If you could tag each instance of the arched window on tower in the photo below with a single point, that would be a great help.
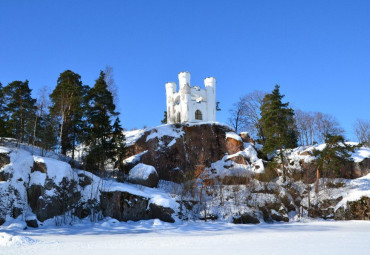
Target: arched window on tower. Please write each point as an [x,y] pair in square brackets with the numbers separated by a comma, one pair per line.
[198,115]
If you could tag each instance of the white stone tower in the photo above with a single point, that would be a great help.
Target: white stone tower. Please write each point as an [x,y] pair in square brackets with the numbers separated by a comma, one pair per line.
[191,104]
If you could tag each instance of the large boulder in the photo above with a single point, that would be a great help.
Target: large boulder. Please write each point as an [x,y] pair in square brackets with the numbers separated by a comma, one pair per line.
[175,150]
[355,210]
[47,201]
[246,219]
[161,212]
[4,159]
[144,175]
[124,206]
[39,166]
[246,138]
[234,143]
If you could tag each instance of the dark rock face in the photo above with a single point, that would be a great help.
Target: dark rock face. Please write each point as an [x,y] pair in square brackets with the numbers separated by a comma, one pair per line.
[359,210]
[33,194]
[279,217]
[39,166]
[4,159]
[83,180]
[355,210]
[199,145]
[124,206]
[64,198]
[361,169]
[246,219]
[162,213]
[4,176]
[32,223]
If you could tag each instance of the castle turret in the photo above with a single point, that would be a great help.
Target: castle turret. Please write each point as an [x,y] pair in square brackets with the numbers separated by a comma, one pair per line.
[184,78]
[210,84]
[170,90]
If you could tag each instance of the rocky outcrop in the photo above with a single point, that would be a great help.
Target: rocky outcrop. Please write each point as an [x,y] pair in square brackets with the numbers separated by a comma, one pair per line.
[47,201]
[4,160]
[161,212]
[233,146]
[246,138]
[32,222]
[125,206]
[361,168]
[246,219]
[176,153]
[39,166]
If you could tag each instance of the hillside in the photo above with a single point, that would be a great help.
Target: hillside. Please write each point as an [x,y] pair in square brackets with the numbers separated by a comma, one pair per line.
[199,172]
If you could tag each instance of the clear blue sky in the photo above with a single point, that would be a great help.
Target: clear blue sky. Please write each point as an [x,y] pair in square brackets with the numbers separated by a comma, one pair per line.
[318,51]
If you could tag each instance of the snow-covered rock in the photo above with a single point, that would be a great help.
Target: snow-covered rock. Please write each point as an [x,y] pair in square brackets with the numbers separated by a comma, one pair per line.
[38,188]
[176,150]
[144,175]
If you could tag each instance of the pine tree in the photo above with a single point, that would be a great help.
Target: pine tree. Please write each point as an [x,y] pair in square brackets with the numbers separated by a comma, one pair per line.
[68,107]
[333,157]
[21,109]
[3,130]
[119,143]
[164,120]
[278,125]
[218,106]
[100,112]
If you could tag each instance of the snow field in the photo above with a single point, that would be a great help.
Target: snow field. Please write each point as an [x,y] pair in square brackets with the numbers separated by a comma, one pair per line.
[156,237]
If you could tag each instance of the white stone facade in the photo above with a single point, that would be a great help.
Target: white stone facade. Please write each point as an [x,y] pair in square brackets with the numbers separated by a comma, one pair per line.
[191,104]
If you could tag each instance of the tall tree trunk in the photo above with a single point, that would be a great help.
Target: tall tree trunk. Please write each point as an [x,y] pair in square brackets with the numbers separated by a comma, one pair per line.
[317,180]
[61,133]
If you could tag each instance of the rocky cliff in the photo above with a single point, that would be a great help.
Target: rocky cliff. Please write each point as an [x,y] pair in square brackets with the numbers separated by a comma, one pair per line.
[177,150]
[182,172]
[37,189]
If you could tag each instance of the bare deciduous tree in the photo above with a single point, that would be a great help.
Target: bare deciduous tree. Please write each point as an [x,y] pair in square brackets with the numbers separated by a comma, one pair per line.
[326,124]
[315,126]
[42,105]
[112,86]
[237,117]
[362,131]
[252,111]
[246,113]
[305,122]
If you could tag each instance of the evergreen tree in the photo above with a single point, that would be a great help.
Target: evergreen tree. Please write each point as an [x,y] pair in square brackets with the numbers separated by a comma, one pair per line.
[47,132]
[101,109]
[278,125]
[333,157]
[3,130]
[164,120]
[119,143]
[68,107]
[218,106]
[21,110]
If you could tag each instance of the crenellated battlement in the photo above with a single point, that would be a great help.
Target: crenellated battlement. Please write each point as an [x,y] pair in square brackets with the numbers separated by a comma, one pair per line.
[191,104]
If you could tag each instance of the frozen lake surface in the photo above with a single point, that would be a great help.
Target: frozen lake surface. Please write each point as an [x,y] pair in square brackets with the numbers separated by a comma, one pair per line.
[156,237]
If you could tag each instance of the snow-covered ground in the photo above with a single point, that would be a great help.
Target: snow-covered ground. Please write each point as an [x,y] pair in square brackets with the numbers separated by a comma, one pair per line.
[155,237]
